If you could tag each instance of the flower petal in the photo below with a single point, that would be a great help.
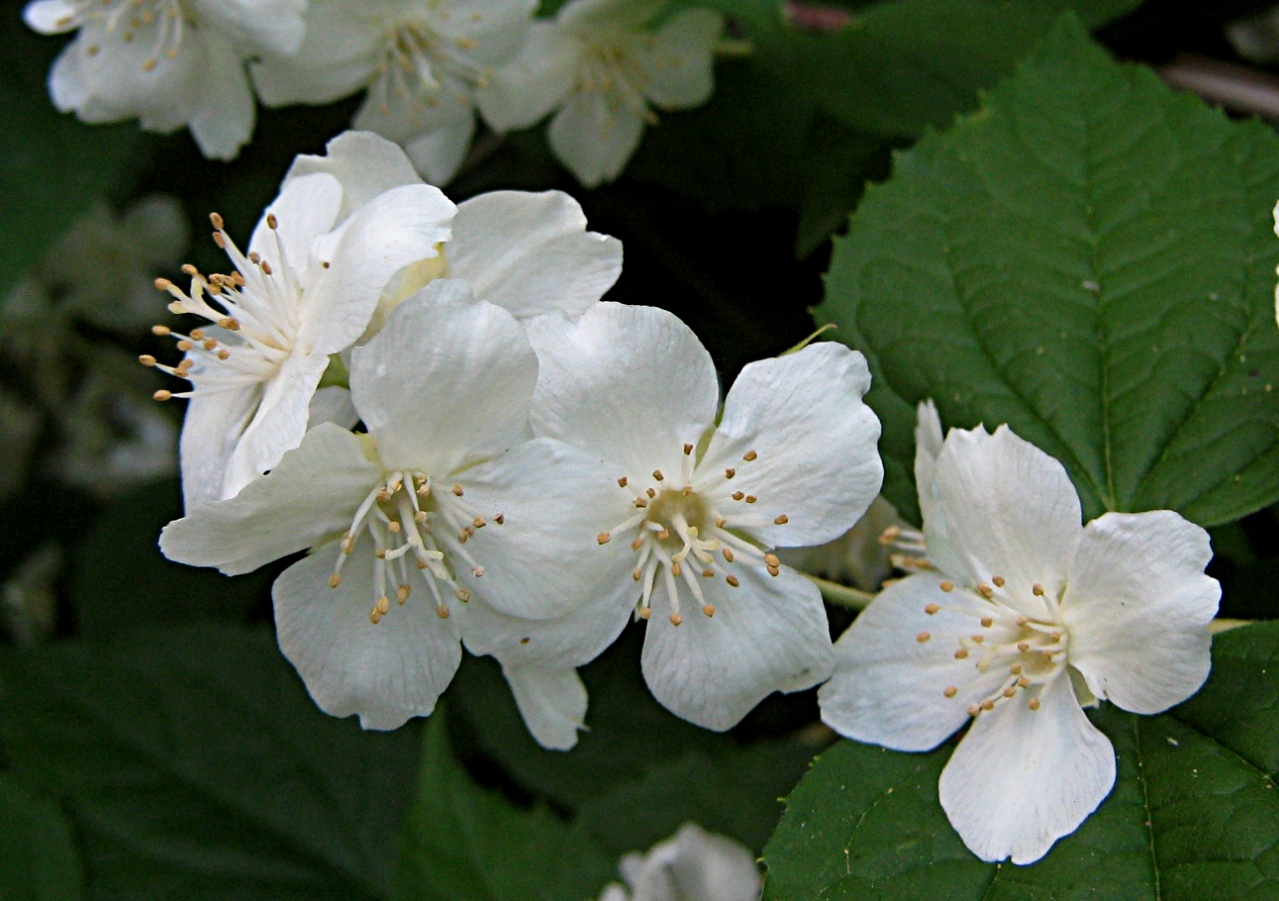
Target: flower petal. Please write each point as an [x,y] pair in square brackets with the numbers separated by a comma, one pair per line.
[1022,778]
[680,59]
[306,208]
[394,229]
[552,702]
[594,137]
[889,687]
[629,384]
[1138,607]
[438,150]
[770,634]
[51,16]
[535,83]
[531,253]
[446,382]
[815,459]
[223,111]
[332,404]
[386,672]
[544,558]
[212,426]
[279,422]
[312,494]
[1010,510]
[365,164]
[940,545]
[338,57]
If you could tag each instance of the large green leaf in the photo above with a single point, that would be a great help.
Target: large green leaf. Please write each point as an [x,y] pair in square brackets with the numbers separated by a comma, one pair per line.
[1194,813]
[461,842]
[192,763]
[38,860]
[52,167]
[1089,258]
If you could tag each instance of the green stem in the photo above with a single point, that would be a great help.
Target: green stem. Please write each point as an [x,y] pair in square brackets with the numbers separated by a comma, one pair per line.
[734,48]
[841,595]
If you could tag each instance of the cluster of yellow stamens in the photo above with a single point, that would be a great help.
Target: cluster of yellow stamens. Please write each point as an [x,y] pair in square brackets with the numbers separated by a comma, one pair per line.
[679,530]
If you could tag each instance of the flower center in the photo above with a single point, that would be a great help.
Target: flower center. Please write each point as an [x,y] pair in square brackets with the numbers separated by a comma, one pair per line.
[680,534]
[617,74]
[163,22]
[408,521]
[415,61]
[1033,651]
[255,311]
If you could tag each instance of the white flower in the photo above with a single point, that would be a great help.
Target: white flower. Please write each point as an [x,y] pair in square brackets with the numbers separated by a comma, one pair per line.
[307,288]
[170,63]
[416,524]
[601,67]
[420,62]
[527,252]
[1030,618]
[693,865]
[695,508]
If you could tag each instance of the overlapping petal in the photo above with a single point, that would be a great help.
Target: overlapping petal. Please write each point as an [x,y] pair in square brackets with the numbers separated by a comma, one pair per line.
[447,382]
[552,703]
[534,83]
[679,60]
[594,134]
[1138,608]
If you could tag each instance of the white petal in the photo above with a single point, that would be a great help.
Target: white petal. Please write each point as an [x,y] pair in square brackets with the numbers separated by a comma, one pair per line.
[817,462]
[535,83]
[492,30]
[447,381]
[279,422]
[1010,510]
[595,137]
[386,672]
[1138,607]
[338,57]
[69,87]
[332,404]
[679,61]
[937,537]
[629,384]
[396,228]
[50,16]
[552,702]
[888,688]
[223,114]
[438,151]
[210,430]
[312,494]
[565,642]
[305,209]
[711,867]
[1022,778]
[365,164]
[274,25]
[595,16]
[531,253]
[770,634]
[544,560]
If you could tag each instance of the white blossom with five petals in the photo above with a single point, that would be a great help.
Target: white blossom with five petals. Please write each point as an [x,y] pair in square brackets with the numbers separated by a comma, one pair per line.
[440,510]
[1029,618]
[601,66]
[170,63]
[695,508]
[307,287]
[420,61]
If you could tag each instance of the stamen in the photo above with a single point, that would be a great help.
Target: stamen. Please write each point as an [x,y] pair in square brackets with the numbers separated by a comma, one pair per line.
[923,637]
[947,586]
[749,456]
[779,521]
[931,609]
[950,691]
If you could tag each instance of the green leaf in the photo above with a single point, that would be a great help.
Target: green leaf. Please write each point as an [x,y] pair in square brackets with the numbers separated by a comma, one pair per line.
[1090,258]
[1194,813]
[52,167]
[192,763]
[38,860]
[461,842]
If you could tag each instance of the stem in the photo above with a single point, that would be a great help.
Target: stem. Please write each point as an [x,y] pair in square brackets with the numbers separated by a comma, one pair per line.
[841,595]
[734,48]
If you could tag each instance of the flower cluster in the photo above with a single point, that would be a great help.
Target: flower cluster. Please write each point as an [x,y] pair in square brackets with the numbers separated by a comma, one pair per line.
[424,66]
[535,466]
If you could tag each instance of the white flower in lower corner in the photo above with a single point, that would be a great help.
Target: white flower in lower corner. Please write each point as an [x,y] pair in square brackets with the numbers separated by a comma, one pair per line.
[307,287]
[437,511]
[695,508]
[1030,618]
[601,66]
[170,63]
[693,865]
[420,62]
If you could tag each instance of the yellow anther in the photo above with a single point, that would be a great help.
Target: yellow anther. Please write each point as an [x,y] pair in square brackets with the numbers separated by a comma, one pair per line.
[457,489]
[999,581]
[932,609]
[335,580]
[732,580]
[621,483]
[922,637]
[402,594]
[778,521]
[947,586]
[961,654]
[950,691]
[709,610]
[1034,704]
[657,474]
[749,456]
[688,449]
